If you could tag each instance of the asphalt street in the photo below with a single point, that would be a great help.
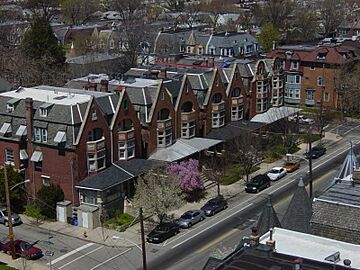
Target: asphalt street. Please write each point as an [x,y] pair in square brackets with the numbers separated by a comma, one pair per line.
[191,248]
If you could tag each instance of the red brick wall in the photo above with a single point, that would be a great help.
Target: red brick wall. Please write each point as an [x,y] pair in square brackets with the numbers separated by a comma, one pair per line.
[8,144]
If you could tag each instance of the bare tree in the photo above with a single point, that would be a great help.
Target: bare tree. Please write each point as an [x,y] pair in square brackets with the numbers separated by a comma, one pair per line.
[78,11]
[158,192]
[214,168]
[331,15]
[214,8]
[41,8]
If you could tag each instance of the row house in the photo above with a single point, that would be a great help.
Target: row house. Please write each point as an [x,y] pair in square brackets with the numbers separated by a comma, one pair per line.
[171,45]
[311,73]
[61,136]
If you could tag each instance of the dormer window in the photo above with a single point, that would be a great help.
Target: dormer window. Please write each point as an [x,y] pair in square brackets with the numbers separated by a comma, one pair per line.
[43,112]
[10,105]
[321,56]
[294,64]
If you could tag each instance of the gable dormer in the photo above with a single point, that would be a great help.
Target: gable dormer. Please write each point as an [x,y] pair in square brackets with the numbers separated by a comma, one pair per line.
[11,104]
[44,109]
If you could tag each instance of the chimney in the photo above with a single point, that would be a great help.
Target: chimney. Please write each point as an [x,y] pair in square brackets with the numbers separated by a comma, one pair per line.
[356,176]
[254,237]
[29,119]
[271,242]
[163,73]
[211,61]
[104,86]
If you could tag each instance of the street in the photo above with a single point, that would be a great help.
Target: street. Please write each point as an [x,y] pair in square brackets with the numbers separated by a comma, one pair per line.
[192,247]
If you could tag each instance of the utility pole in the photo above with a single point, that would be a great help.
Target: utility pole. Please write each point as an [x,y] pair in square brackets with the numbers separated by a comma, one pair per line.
[143,251]
[11,232]
[310,166]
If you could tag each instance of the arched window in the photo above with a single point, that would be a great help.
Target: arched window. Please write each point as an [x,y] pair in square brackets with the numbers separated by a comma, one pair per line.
[236,92]
[217,98]
[187,107]
[125,125]
[163,114]
[95,134]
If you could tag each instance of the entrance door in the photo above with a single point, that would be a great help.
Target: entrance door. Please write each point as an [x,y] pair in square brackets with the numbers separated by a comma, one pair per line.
[85,219]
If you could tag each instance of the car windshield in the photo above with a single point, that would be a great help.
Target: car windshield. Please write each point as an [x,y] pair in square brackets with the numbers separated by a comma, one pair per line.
[290,163]
[26,246]
[211,203]
[186,216]
[275,171]
[161,228]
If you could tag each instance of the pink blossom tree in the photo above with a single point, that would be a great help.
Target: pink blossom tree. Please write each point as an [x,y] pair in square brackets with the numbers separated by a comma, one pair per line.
[188,175]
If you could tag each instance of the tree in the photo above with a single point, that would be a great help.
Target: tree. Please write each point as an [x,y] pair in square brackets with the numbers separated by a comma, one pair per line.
[47,198]
[214,169]
[175,5]
[78,11]
[243,150]
[331,15]
[269,34]
[214,8]
[188,175]
[13,178]
[305,26]
[158,192]
[41,8]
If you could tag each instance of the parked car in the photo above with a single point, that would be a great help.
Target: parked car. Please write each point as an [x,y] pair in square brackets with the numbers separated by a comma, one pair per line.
[190,218]
[301,119]
[291,166]
[316,152]
[4,218]
[276,173]
[23,249]
[258,183]
[214,206]
[162,232]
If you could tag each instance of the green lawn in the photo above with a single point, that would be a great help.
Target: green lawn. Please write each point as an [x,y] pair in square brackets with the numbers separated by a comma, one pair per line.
[234,173]
[4,267]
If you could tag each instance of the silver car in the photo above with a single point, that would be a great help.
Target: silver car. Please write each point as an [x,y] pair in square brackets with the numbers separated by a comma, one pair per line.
[190,217]
[4,218]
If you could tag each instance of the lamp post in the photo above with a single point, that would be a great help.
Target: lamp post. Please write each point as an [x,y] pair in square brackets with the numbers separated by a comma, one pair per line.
[8,206]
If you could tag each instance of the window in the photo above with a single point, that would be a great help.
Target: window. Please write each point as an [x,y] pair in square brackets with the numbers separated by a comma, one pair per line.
[320,81]
[212,50]
[10,108]
[200,50]
[310,94]
[162,95]
[297,79]
[9,156]
[90,197]
[38,166]
[326,97]
[165,138]
[312,66]
[93,114]
[218,119]
[112,44]
[188,49]
[235,92]
[45,180]
[40,134]
[96,161]
[182,48]
[217,97]
[126,105]
[294,65]
[126,149]
[188,129]
[43,112]
[236,113]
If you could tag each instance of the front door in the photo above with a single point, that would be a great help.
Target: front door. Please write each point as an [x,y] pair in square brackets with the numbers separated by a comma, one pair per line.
[85,219]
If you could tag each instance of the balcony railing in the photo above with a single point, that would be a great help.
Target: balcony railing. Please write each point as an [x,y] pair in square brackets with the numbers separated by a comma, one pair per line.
[236,101]
[126,135]
[95,146]
[218,107]
[163,124]
[310,102]
[188,116]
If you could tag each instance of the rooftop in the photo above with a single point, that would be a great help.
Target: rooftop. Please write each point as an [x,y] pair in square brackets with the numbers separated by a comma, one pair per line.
[342,193]
[313,247]
[54,95]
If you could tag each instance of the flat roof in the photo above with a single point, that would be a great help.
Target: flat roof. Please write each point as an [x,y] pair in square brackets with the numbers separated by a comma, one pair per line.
[342,192]
[135,82]
[54,95]
[312,247]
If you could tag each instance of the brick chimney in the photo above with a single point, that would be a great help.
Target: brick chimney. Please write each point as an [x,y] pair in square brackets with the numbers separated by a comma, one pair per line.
[29,118]
[254,237]
[211,61]
[271,242]
[104,86]
[163,73]
[356,176]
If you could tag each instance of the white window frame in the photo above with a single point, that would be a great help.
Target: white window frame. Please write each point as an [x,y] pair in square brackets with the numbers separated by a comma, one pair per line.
[9,156]
[164,137]
[326,96]
[43,112]
[237,112]
[126,149]
[294,65]
[188,129]
[45,180]
[10,108]
[93,162]
[40,134]
[218,119]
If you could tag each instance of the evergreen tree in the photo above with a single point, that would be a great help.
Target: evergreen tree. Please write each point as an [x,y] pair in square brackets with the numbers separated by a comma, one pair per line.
[41,44]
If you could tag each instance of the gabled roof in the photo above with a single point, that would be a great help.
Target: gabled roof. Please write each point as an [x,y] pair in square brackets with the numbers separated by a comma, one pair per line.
[268,219]
[297,216]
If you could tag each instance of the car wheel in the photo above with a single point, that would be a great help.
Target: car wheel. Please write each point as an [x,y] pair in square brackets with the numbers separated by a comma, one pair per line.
[189,226]
[6,224]
[202,218]
[268,185]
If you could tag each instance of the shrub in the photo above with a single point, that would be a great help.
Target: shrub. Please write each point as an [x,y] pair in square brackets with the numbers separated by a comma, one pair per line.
[120,220]
[47,197]
[34,212]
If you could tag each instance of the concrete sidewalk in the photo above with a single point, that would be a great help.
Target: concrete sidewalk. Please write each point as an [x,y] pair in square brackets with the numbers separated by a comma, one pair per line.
[22,264]
[131,237]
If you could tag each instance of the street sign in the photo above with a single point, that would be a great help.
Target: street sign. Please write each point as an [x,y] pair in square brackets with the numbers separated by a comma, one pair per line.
[115,237]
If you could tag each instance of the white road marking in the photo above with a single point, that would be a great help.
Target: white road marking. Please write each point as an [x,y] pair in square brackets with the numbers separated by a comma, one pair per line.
[71,253]
[351,129]
[335,128]
[212,225]
[112,258]
[78,258]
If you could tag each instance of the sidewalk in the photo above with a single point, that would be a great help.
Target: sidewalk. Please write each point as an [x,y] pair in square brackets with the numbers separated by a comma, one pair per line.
[22,264]
[131,237]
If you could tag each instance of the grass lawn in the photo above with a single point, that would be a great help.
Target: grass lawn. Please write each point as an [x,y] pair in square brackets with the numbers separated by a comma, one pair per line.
[234,173]
[4,267]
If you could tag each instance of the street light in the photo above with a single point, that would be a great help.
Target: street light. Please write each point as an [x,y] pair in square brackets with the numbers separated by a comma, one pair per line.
[309,161]
[18,184]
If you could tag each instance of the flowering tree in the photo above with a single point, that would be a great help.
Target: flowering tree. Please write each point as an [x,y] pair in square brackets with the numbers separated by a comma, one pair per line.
[188,175]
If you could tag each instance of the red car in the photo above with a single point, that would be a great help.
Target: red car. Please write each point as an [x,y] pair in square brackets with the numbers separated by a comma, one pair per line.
[23,249]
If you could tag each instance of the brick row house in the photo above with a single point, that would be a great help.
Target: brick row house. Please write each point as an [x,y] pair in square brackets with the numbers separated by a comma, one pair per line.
[311,73]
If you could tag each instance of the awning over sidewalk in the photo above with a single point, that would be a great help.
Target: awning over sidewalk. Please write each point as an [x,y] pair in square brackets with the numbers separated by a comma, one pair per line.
[274,114]
[183,148]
